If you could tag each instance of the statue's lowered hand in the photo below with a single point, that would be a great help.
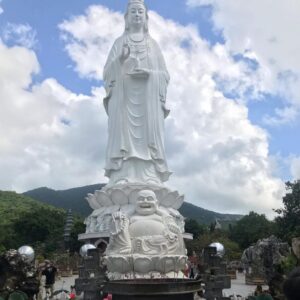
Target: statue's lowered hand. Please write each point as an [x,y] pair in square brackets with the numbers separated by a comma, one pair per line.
[139,73]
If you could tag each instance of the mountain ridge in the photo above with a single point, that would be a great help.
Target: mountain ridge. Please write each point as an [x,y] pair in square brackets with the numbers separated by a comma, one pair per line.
[74,199]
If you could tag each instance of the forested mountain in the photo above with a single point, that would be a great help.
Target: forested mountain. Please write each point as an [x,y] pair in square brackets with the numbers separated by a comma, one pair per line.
[205,216]
[68,199]
[75,199]
[27,221]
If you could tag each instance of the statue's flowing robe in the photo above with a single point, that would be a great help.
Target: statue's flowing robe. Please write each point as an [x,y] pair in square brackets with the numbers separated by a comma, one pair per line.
[136,110]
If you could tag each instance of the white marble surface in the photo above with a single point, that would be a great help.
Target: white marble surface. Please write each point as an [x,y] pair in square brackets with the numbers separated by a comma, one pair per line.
[136,81]
[145,240]
[139,212]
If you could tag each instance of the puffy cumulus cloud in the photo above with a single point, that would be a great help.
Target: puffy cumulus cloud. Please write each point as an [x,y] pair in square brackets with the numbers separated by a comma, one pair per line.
[49,135]
[220,160]
[295,168]
[20,34]
[88,38]
[260,32]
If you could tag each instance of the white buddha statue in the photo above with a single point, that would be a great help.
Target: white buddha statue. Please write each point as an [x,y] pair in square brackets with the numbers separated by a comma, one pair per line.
[136,81]
[148,231]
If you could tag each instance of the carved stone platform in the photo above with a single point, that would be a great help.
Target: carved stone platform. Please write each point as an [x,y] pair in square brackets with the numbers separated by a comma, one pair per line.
[141,266]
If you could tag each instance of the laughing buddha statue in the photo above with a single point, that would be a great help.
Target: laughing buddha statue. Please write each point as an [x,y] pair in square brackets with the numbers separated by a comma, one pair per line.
[150,230]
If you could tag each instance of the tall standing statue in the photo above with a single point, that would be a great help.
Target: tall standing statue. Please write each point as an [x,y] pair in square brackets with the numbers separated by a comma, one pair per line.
[136,81]
[135,209]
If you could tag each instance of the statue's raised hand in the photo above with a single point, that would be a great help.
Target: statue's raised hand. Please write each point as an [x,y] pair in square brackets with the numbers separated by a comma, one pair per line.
[125,53]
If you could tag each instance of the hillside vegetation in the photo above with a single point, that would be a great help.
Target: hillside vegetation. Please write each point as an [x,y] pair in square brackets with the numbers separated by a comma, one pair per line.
[27,221]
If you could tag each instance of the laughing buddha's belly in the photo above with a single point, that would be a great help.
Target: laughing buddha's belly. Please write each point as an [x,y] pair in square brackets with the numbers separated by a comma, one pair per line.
[146,227]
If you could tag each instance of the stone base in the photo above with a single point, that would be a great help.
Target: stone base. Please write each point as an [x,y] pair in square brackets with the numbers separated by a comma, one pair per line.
[155,289]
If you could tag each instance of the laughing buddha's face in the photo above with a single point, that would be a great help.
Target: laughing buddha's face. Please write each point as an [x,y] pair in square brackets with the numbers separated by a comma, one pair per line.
[146,203]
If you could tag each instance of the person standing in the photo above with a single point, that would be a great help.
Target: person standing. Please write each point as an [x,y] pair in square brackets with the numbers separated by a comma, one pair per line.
[49,272]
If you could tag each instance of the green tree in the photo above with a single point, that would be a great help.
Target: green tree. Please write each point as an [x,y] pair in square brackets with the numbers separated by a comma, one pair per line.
[79,227]
[250,229]
[41,226]
[193,227]
[232,249]
[288,219]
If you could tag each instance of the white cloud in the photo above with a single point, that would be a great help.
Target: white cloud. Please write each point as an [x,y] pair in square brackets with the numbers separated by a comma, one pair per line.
[267,30]
[88,37]
[49,135]
[295,168]
[20,34]
[220,160]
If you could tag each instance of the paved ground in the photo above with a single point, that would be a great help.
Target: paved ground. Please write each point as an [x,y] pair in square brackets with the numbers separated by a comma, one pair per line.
[65,283]
[238,286]
[61,283]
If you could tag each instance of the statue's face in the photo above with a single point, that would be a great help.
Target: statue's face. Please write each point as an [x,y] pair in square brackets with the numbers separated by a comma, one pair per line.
[146,203]
[136,14]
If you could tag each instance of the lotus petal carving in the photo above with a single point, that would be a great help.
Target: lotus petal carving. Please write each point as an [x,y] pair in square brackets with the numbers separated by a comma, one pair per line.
[103,199]
[92,201]
[143,265]
[118,264]
[133,196]
[118,197]
[181,263]
[161,193]
[169,199]
[178,202]
[167,264]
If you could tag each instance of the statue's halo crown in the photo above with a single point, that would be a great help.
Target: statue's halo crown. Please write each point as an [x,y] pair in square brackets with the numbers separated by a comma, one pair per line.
[136,1]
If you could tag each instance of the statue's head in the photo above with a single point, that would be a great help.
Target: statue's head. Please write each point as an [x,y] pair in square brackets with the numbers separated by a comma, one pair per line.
[136,15]
[146,203]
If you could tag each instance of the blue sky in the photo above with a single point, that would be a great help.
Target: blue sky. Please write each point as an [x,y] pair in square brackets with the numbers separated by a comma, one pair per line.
[44,17]
[239,69]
